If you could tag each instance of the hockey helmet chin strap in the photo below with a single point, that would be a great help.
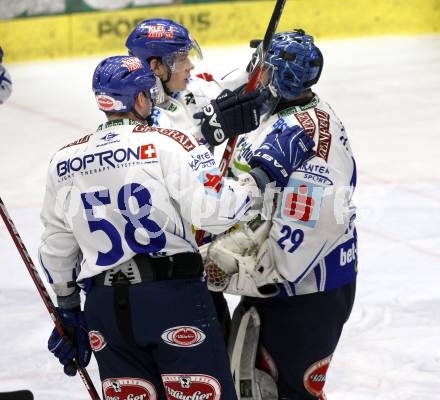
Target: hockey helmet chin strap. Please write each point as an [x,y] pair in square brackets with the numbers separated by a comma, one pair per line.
[164,82]
[148,120]
[167,78]
[156,96]
[145,119]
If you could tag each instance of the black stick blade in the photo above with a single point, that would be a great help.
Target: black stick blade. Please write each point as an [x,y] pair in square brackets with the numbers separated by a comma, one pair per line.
[17,395]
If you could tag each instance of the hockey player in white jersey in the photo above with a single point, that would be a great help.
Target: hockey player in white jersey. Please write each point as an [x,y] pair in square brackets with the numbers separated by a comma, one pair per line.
[117,213]
[168,48]
[208,109]
[309,258]
[5,81]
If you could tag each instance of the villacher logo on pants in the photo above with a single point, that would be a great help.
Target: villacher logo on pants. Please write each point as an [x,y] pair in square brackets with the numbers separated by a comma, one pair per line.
[194,387]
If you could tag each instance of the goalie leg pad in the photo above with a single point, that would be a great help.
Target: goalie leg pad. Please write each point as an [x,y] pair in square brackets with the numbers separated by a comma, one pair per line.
[301,333]
[250,383]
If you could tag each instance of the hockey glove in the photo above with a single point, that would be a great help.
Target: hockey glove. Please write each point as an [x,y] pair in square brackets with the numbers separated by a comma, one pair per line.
[74,346]
[230,114]
[282,153]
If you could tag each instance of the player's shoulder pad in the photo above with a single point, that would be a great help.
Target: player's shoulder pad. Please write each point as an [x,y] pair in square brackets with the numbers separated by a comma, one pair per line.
[187,142]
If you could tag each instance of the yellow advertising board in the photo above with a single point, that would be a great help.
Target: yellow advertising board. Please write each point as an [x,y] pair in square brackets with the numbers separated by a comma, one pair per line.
[214,24]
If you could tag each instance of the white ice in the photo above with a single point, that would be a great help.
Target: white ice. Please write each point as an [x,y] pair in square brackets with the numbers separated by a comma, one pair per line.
[387,92]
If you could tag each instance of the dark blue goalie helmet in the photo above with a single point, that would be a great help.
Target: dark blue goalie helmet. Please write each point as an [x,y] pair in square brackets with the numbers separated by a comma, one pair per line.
[294,63]
[118,80]
[162,38]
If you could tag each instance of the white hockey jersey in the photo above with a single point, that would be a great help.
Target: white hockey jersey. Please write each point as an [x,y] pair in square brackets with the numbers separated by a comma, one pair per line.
[129,188]
[312,240]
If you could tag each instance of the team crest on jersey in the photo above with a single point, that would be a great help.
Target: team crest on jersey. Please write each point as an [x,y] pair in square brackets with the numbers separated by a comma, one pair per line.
[97,340]
[128,389]
[212,181]
[301,202]
[194,387]
[315,376]
[183,336]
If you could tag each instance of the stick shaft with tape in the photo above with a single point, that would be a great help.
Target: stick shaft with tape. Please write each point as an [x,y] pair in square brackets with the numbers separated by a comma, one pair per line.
[250,86]
[30,266]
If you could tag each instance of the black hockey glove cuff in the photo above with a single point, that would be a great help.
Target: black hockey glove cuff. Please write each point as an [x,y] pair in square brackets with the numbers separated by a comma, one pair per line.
[69,302]
[261,178]
[230,114]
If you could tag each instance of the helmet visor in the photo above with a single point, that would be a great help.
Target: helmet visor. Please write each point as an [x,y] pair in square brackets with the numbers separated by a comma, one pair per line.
[184,58]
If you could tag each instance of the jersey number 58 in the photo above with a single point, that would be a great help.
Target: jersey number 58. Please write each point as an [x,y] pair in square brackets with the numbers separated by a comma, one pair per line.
[134,221]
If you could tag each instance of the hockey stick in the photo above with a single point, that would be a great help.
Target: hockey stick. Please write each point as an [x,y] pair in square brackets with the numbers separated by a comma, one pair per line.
[255,76]
[250,86]
[44,296]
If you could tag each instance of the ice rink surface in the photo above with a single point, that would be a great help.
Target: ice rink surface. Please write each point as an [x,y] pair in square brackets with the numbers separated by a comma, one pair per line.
[387,92]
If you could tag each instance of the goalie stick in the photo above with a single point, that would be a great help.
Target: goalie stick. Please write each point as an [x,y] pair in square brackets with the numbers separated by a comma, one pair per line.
[17,395]
[255,76]
[70,368]
[250,86]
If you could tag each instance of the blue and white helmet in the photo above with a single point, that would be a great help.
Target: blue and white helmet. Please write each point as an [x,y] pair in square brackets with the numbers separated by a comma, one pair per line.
[118,80]
[295,63]
[161,38]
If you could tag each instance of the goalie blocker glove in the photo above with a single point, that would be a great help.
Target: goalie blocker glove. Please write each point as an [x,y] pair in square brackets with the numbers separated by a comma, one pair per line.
[282,153]
[230,114]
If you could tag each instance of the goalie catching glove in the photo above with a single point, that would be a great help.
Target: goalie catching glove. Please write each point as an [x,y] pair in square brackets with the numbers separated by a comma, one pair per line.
[230,114]
[239,263]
